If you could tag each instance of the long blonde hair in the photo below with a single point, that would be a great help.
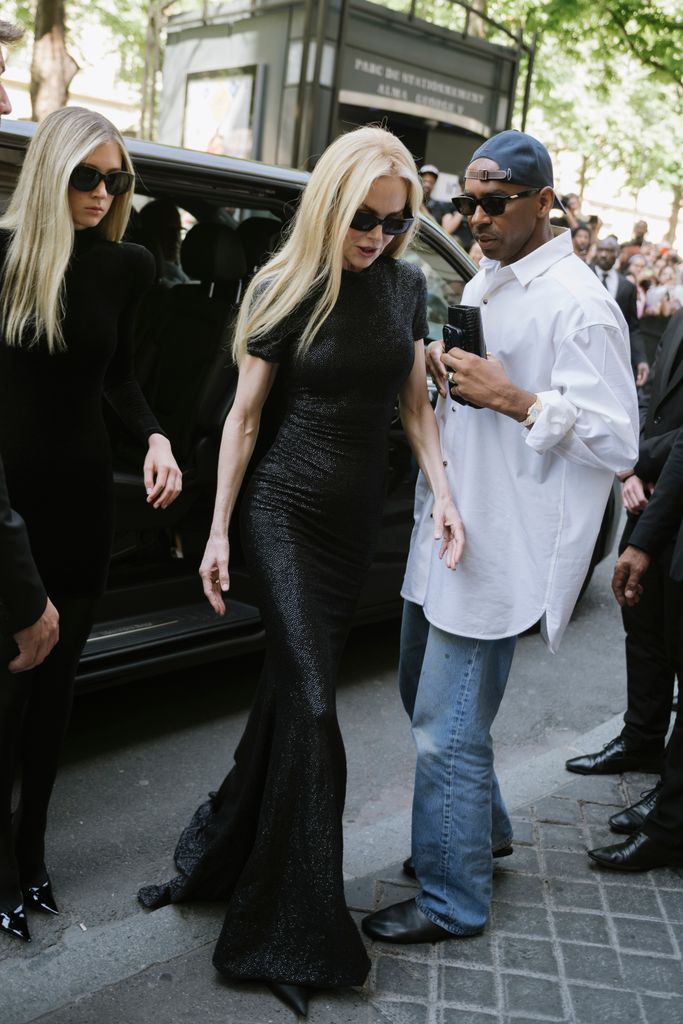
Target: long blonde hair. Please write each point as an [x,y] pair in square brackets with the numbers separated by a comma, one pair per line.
[39,217]
[311,257]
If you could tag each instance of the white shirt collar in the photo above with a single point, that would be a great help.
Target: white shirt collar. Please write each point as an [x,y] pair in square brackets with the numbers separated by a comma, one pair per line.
[536,262]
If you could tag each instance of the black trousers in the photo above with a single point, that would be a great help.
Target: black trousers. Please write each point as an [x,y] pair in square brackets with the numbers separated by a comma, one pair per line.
[35,708]
[665,823]
[651,633]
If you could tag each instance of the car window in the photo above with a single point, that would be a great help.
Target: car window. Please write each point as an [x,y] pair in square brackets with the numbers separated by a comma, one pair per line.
[445,283]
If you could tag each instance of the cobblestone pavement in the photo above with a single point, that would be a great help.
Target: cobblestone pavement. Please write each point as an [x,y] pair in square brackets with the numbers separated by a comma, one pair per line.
[567,942]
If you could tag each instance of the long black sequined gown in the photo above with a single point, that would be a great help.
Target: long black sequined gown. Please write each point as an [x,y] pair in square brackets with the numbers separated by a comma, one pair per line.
[270,840]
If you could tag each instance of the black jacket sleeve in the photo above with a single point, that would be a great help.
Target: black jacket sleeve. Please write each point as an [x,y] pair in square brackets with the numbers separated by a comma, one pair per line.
[22,594]
[661,520]
[652,455]
[121,389]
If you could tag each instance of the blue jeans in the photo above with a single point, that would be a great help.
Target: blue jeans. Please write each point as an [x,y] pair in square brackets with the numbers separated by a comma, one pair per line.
[451,687]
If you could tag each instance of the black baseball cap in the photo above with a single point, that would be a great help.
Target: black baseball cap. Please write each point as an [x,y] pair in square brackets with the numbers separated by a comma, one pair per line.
[520,157]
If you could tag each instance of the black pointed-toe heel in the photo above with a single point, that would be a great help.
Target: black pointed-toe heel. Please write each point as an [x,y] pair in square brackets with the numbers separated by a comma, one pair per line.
[293,996]
[13,922]
[41,897]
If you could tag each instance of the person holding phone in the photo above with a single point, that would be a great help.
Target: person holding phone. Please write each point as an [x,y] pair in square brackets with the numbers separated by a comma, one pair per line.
[532,467]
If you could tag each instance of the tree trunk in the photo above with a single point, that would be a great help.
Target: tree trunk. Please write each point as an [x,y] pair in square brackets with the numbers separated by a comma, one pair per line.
[52,68]
[583,175]
[676,204]
[477,27]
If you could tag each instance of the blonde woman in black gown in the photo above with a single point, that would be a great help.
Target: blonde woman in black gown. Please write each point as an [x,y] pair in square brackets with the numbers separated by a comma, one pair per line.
[341,315]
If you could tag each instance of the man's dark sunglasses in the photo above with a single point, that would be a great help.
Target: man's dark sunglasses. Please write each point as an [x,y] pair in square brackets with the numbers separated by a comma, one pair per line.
[494,206]
[364,220]
[86,179]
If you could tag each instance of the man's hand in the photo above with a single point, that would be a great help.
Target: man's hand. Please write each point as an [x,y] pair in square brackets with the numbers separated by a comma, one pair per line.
[633,495]
[435,368]
[627,574]
[485,383]
[36,641]
[642,373]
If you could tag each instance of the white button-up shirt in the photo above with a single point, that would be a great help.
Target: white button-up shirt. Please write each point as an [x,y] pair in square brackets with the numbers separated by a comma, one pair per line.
[531,500]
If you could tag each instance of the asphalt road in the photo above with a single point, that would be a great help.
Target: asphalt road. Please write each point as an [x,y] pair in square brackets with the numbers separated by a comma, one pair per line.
[141,757]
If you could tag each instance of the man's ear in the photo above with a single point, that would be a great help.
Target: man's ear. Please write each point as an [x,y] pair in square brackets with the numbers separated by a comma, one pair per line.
[546,198]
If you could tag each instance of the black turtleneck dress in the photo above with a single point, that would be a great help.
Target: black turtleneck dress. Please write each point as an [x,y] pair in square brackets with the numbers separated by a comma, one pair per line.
[53,438]
[270,840]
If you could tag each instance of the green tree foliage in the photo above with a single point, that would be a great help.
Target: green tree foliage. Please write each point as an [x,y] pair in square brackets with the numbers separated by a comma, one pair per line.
[607,80]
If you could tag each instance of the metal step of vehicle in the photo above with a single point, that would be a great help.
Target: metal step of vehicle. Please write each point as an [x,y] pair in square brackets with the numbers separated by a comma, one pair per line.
[166,639]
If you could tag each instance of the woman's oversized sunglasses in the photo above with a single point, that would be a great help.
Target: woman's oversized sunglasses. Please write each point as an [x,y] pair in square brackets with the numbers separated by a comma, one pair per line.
[85,179]
[494,206]
[364,220]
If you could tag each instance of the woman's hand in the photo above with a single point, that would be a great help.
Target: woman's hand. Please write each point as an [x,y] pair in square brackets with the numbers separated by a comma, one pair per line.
[214,572]
[163,479]
[449,530]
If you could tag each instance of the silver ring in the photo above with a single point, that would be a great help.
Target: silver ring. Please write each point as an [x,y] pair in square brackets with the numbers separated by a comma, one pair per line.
[449,376]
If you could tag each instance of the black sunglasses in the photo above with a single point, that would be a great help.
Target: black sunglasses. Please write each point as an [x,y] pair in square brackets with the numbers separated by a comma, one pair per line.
[494,206]
[364,220]
[85,179]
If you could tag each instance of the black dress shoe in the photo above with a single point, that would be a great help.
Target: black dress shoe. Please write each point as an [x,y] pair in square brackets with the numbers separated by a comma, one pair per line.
[293,996]
[403,922]
[614,758]
[632,818]
[637,853]
[41,897]
[409,867]
[13,922]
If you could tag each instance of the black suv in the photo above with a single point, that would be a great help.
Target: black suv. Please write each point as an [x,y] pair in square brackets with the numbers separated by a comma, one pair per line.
[153,615]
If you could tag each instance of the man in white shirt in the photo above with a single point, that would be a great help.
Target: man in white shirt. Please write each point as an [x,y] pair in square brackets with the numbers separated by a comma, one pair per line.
[624,294]
[531,471]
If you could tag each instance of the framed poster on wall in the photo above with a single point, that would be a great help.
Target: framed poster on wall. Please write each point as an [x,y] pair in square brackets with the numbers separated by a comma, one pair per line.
[221,108]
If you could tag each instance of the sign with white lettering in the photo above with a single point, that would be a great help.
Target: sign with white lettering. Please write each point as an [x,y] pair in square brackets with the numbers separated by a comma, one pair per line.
[389,85]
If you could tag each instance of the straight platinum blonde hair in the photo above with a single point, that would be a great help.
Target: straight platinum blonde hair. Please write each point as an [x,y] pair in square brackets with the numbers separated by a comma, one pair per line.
[311,257]
[39,217]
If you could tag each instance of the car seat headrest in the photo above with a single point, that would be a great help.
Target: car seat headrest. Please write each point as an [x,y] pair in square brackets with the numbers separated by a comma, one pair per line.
[213,252]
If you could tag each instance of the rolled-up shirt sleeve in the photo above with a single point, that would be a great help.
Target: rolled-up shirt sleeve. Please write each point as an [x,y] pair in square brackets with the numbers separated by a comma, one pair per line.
[590,411]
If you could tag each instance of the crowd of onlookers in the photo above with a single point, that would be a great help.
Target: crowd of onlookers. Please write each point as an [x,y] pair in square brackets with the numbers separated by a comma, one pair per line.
[655,269]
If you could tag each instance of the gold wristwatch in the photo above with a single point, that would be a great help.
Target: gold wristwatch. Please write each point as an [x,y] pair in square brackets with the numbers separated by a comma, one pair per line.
[533,412]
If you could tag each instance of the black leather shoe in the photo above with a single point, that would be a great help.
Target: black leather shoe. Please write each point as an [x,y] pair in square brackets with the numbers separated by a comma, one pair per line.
[13,922]
[632,818]
[403,922]
[293,996]
[409,867]
[637,853]
[614,758]
[41,897]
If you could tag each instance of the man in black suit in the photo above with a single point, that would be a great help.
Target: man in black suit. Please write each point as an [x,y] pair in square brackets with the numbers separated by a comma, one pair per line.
[658,842]
[624,294]
[29,629]
[27,616]
[650,668]
[28,619]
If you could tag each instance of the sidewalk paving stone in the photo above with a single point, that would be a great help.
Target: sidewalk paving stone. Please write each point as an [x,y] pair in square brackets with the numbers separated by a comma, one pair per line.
[568,943]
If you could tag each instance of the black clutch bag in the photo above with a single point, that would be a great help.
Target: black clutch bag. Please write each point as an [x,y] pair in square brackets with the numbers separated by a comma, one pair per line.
[463,330]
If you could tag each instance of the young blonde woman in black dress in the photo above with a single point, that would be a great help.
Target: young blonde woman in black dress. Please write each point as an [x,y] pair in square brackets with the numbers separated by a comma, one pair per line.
[69,290]
[341,315]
